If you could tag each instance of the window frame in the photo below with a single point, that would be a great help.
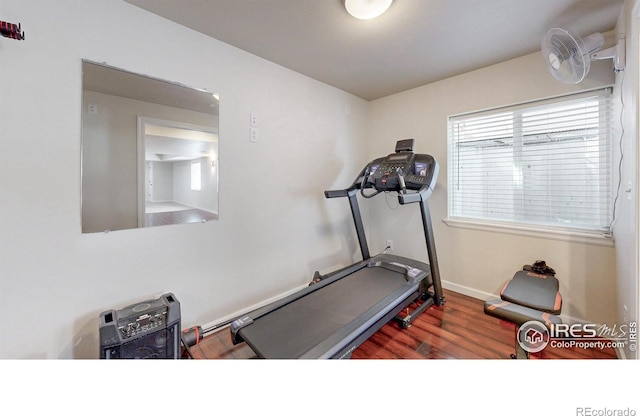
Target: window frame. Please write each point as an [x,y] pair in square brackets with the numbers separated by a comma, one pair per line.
[522,227]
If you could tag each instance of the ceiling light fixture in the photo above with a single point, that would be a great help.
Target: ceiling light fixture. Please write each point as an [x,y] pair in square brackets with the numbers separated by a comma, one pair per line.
[366,9]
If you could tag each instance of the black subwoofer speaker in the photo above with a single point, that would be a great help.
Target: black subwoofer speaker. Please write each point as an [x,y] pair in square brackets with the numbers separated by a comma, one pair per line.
[148,329]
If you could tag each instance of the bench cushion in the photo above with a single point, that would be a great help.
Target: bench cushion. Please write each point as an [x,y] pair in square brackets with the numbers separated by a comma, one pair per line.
[532,290]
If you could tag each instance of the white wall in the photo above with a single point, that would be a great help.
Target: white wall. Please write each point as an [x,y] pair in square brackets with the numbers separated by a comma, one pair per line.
[275,225]
[626,225]
[477,262]
[162,179]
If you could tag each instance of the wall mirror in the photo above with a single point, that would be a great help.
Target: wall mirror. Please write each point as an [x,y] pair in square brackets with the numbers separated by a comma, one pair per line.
[149,151]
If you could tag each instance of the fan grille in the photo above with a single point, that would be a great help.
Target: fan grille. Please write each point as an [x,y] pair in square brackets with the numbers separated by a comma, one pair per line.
[565,56]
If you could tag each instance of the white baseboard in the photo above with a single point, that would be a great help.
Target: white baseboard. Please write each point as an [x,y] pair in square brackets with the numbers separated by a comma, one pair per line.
[466,290]
[249,309]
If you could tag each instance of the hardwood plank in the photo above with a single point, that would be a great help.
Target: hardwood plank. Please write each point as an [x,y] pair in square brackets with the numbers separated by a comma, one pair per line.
[219,346]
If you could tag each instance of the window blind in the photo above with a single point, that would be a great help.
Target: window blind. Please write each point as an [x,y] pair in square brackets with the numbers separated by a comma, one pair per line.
[544,163]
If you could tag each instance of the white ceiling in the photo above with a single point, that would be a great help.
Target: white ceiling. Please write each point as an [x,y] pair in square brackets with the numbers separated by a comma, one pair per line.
[415,43]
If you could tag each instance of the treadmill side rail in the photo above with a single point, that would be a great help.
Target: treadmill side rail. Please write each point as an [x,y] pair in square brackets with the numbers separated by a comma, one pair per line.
[236,326]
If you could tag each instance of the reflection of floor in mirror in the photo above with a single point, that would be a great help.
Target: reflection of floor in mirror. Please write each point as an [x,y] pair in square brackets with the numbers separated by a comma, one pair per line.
[166,213]
[165,206]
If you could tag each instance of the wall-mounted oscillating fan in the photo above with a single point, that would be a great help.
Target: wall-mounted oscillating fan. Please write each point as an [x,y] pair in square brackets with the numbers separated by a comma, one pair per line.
[569,57]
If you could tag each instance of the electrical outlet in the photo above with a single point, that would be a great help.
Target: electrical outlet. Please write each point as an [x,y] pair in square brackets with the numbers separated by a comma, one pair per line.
[389,245]
[253,120]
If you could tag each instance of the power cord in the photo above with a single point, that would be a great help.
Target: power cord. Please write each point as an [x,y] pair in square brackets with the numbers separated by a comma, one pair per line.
[621,147]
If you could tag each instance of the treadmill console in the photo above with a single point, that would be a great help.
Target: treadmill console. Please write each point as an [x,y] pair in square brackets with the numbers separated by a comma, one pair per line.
[401,171]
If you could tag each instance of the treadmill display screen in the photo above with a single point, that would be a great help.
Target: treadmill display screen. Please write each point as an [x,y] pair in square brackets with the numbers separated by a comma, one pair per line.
[420,169]
[395,158]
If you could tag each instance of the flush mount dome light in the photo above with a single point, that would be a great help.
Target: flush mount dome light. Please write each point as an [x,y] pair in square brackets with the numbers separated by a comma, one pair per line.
[367,9]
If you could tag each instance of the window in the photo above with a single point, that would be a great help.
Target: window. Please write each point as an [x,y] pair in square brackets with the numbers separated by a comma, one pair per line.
[544,165]
[196,176]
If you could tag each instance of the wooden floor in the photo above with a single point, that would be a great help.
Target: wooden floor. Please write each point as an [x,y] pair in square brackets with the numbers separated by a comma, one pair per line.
[457,330]
[178,217]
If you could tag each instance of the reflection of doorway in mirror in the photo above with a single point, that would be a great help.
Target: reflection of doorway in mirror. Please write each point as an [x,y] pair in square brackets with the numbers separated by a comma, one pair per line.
[170,151]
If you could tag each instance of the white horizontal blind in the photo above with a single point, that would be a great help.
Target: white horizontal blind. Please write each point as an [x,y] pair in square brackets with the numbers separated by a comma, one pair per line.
[546,163]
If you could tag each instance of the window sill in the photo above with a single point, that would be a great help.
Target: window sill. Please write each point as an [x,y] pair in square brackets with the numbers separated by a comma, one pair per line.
[572,236]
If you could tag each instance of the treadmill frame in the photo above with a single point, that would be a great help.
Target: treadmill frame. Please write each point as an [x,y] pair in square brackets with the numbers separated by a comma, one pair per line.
[341,344]
[420,197]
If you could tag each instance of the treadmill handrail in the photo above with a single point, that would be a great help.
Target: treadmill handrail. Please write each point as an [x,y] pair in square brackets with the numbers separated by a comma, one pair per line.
[352,194]
[340,193]
[412,197]
[423,193]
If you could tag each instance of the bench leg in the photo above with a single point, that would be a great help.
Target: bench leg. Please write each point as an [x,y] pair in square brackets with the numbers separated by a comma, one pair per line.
[520,353]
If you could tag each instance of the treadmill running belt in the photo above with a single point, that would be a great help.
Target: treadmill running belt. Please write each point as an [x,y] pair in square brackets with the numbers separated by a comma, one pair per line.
[300,326]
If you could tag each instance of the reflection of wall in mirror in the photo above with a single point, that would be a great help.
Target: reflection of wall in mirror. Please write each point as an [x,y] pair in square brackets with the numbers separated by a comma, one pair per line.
[206,198]
[161,176]
[109,157]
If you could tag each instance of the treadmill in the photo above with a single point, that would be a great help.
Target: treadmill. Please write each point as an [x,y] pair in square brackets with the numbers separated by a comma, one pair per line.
[340,310]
